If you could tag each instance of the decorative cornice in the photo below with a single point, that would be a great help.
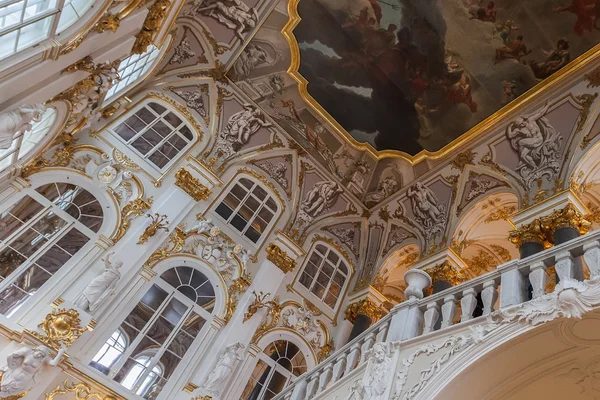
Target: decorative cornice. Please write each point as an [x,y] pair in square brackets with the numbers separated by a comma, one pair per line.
[191,185]
[365,307]
[280,258]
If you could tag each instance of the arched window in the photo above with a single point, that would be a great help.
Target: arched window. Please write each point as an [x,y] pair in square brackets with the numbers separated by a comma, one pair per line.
[161,328]
[39,234]
[132,69]
[249,208]
[110,352]
[23,144]
[25,23]
[278,365]
[156,133]
[325,274]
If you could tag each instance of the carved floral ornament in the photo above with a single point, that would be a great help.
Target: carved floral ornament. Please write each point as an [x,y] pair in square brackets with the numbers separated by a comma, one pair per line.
[82,391]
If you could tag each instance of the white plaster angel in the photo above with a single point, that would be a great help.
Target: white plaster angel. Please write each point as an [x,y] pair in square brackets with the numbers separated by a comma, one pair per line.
[203,226]
[23,365]
[224,368]
[18,121]
[102,286]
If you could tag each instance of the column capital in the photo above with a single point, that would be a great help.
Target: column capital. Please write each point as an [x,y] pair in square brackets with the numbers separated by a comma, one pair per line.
[366,302]
[532,232]
[567,217]
[445,272]
[196,179]
[284,252]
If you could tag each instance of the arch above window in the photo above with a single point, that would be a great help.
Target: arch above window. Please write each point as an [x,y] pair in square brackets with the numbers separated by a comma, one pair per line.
[156,133]
[249,208]
[325,275]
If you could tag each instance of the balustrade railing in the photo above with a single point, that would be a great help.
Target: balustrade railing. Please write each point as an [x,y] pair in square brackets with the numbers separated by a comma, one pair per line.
[512,283]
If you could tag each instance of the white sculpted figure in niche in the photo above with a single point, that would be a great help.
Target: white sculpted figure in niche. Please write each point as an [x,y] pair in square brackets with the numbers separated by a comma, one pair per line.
[203,226]
[379,370]
[240,127]
[18,121]
[252,56]
[234,14]
[102,286]
[23,365]
[385,188]
[322,197]
[183,52]
[425,205]
[225,366]
[538,145]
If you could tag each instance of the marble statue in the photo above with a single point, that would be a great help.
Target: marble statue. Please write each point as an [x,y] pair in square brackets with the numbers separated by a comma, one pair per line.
[537,144]
[224,368]
[385,188]
[234,14]
[23,365]
[102,286]
[320,198]
[18,121]
[203,226]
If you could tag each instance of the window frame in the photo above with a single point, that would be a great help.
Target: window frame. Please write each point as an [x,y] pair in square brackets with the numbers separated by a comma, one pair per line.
[69,223]
[308,293]
[227,221]
[275,366]
[172,293]
[126,148]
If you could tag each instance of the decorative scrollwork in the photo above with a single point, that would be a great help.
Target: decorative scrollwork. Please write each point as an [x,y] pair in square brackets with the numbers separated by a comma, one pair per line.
[82,391]
[131,210]
[60,327]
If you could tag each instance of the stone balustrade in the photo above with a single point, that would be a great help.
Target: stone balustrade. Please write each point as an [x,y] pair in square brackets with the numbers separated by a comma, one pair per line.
[512,283]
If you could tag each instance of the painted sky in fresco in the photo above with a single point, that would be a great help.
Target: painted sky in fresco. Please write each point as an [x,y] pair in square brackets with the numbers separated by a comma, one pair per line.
[416,74]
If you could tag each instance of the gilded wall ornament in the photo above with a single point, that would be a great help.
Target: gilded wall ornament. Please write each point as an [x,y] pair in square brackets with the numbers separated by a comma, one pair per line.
[61,327]
[191,185]
[82,391]
[280,258]
[237,287]
[364,307]
[463,159]
[446,273]
[567,217]
[270,320]
[158,222]
[176,240]
[152,24]
[130,211]
[325,351]
[530,233]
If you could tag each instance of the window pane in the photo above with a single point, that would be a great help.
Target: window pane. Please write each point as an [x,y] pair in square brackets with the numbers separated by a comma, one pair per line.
[19,213]
[146,116]
[73,241]
[173,120]
[158,159]
[157,107]
[154,297]
[139,316]
[224,211]
[9,261]
[53,259]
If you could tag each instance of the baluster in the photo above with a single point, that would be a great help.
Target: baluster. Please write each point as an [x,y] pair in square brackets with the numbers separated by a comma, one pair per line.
[489,295]
[538,279]
[339,368]
[468,304]
[299,392]
[513,288]
[448,310]
[381,333]
[325,377]
[565,267]
[352,359]
[592,258]
[313,386]
[431,316]
[367,345]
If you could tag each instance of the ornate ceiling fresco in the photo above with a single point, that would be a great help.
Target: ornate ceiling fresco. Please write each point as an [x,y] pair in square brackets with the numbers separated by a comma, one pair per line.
[410,75]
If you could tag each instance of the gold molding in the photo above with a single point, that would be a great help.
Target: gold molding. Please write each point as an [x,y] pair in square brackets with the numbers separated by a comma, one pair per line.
[154,21]
[479,131]
[192,186]
[280,258]
[61,326]
[237,287]
[130,211]
[82,391]
[445,272]
[365,307]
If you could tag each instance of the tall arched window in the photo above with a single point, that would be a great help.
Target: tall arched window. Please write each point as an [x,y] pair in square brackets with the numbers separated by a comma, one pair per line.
[23,144]
[249,208]
[278,365]
[132,69]
[160,329]
[325,274]
[39,234]
[156,133]
[25,23]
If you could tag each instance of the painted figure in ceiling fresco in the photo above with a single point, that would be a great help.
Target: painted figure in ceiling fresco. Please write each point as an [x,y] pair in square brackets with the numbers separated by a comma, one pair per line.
[415,74]
[234,14]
